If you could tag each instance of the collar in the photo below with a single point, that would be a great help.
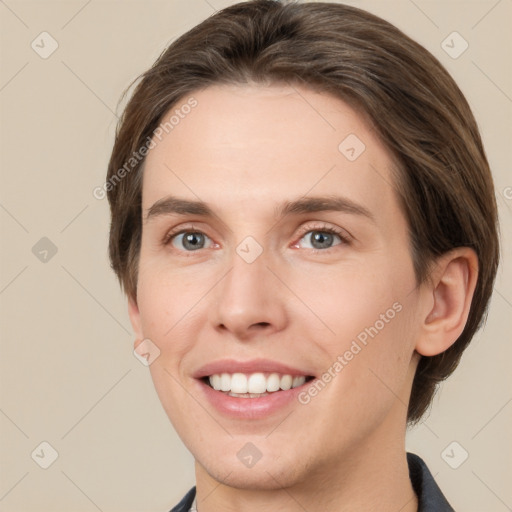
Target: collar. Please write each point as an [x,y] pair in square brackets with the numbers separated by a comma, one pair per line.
[430,497]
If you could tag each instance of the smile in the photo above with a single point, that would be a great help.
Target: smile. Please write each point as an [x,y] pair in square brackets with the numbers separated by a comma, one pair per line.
[251,389]
[254,385]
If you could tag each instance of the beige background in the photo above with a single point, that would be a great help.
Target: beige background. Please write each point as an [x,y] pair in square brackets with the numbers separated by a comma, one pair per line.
[68,375]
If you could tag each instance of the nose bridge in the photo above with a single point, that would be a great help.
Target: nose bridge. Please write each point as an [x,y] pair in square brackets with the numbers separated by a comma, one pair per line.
[247,282]
[246,297]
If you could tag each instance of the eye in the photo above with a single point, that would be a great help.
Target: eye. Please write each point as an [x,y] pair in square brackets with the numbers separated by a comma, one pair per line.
[319,239]
[189,240]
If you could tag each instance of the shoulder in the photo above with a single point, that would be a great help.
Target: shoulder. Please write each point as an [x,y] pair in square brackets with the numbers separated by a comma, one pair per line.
[430,497]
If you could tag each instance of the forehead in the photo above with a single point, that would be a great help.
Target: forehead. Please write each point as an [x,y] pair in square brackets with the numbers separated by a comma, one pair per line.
[251,144]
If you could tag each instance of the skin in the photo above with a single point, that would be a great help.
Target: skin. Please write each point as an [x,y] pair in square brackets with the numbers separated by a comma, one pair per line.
[244,150]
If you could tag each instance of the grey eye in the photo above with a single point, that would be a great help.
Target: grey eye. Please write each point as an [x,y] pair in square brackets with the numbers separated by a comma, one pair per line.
[190,241]
[320,239]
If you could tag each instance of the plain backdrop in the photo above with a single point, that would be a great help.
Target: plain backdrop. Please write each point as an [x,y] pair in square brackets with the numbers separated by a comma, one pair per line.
[68,374]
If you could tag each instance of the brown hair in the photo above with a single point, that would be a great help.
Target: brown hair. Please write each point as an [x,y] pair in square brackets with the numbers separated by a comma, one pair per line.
[443,177]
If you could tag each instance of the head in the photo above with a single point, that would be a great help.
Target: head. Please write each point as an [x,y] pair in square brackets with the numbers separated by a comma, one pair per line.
[253,121]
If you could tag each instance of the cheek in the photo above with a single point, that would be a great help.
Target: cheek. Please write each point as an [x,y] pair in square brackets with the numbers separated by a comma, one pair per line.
[168,298]
[371,319]
[355,301]
[370,378]
[163,322]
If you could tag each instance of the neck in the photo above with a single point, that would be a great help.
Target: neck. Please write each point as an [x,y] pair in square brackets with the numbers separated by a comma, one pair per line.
[371,476]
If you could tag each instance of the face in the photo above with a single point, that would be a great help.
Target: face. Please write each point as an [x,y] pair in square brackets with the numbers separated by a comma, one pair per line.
[276,280]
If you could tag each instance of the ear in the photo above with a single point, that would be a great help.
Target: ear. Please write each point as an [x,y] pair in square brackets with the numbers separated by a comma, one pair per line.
[134,314]
[447,296]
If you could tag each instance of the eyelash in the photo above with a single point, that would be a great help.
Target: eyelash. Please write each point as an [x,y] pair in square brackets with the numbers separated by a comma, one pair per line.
[323,228]
[173,233]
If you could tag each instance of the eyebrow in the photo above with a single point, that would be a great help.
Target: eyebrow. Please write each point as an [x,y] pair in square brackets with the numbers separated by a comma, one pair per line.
[173,205]
[170,205]
[322,204]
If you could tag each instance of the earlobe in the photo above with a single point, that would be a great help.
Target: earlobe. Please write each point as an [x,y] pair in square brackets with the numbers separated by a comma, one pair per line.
[449,292]
[134,314]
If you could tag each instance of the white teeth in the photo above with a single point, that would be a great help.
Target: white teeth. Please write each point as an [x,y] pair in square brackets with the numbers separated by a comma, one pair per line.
[286,382]
[215,382]
[225,382]
[255,384]
[273,382]
[239,383]
[298,381]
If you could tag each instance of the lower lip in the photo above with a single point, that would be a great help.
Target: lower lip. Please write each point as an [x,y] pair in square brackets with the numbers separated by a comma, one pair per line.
[251,408]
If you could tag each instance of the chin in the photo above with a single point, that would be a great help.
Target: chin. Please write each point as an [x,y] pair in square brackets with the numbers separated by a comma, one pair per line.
[261,477]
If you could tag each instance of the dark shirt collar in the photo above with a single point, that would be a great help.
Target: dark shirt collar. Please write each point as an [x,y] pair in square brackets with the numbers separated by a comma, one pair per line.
[430,497]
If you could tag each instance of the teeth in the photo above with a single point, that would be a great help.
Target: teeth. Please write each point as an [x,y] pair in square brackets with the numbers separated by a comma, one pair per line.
[225,382]
[239,383]
[247,395]
[215,382]
[286,382]
[298,381]
[257,383]
[273,382]
[254,384]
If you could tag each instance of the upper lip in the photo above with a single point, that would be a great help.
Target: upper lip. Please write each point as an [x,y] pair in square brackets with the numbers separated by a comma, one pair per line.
[251,366]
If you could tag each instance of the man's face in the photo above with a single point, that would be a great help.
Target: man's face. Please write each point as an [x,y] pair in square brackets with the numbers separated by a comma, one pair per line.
[295,266]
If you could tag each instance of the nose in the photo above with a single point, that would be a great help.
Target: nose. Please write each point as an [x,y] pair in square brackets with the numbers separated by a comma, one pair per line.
[249,300]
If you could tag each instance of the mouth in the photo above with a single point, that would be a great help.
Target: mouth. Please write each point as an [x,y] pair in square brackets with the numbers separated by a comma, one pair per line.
[254,385]
[252,389]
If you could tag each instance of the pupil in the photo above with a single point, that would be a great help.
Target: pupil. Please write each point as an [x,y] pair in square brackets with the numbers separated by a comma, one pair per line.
[321,239]
[193,241]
